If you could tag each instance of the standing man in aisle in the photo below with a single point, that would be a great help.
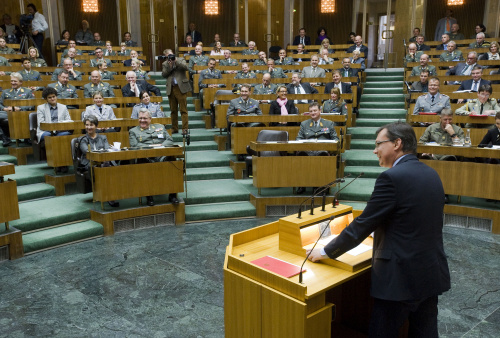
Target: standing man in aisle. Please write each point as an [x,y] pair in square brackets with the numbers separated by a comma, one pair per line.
[409,266]
[38,26]
[174,70]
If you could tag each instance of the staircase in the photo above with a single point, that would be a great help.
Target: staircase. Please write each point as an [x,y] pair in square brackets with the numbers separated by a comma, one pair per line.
[382,102]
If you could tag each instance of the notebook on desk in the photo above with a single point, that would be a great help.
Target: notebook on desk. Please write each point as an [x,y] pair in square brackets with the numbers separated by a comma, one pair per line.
[278,266]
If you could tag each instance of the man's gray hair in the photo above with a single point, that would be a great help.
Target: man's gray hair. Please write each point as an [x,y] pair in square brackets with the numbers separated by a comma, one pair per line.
[17,76]
[145,110]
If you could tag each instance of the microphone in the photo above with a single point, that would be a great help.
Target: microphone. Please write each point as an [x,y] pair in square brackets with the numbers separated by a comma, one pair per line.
[305,260]
[318,191]
[334,203]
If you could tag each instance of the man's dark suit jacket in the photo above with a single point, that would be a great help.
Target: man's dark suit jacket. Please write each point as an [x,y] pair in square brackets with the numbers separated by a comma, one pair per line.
[423,47]
[459,68]
[493,136]
[240,44]
[440,47]
[346,87]
[363,49]
[467,84]
[196,38]
[406,213]
[307,40]
[143,86]
[307,88]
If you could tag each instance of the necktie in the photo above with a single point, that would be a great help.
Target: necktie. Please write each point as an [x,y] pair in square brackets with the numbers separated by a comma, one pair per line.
[100,111]
[482,106]
[465,70]
[302,40]
[432,99]
[474,87]
[448,28]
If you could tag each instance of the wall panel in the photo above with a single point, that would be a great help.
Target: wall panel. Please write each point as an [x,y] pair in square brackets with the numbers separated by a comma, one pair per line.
[467,15]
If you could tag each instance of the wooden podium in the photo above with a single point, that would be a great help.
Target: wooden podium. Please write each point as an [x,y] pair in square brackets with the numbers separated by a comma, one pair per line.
[260,303]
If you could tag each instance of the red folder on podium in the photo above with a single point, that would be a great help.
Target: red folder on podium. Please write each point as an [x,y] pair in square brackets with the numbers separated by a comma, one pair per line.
[278,266]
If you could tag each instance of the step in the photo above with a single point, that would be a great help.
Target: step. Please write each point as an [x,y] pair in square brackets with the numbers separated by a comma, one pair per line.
[53,211]
[368,172]
[373,122]
[379,91]
[360,158]
[166,106]
[382,105]
[31,173]
[198,135]
[65,234]
[378,78]
[382,71]
[365,98]
[210,191]
[214,173]
[4,150]
[8,158]
[219,211]
[193,124]
[208,158]
[360,144]
[202,145]
[370,113]
[383,84]
[360,190]
[366,133]
[35,191]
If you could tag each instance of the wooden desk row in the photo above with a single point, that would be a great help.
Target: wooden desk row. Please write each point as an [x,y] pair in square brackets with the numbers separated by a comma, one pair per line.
[297,68]
[85,69]
[476,136]
[457,119]
[92,48]
[78,101]
[448,64]
[109,181]
[452,78]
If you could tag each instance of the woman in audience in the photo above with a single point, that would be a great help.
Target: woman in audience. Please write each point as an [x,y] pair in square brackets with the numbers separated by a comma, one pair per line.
[480,28]
[335,105]
[356,58]
[137,68]
[325,44]
[100,110]
[109,49]
[321,35]
[3,34]
[492,54]
[282,106]
[217,49]
[4,49]
[154,108]
[95,142]
[35,59]
[123,50]
[65,36]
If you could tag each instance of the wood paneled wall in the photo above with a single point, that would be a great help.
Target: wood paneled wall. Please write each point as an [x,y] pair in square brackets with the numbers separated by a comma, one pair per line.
[105,21]
[467,15]
[338,24]
[208,25]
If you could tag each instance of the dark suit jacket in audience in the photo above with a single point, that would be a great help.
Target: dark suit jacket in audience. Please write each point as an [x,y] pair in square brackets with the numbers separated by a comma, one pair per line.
[143,86]
[346,87]
[275,109]
[467,84]
[307,88]
[296,40]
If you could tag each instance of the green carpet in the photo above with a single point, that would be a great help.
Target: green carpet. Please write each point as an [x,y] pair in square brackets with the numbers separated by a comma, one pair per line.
[382,84]
[367,133]
[363,122]
[379,97]
[214,173]
[31,173]
[360,190]
[369,172]
[208,158]
[384,78]
[53,211]
[8,158]
[395,90]
[382,105]
[34,191]
[360,158]
[355,205]
[219,210]
[360,144]
[61,235]
[382,114]
[202,145]
[215,191]
[198,135]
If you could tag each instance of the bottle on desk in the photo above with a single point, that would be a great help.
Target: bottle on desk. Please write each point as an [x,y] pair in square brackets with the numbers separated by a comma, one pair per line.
[467,142]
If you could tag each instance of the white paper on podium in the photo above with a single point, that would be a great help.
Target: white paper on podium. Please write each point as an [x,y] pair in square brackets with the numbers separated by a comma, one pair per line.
[359,249]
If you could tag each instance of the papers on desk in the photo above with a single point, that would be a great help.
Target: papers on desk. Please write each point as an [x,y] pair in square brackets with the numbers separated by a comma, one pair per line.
[495,147]
[353,252]
[432,144]
[313,141]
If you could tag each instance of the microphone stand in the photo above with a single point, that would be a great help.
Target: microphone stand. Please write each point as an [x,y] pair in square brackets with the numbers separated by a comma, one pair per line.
[345,186]
[317,192]
[305,260]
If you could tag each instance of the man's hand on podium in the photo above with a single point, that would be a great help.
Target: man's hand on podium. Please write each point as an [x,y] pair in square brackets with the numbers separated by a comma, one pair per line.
[316,255]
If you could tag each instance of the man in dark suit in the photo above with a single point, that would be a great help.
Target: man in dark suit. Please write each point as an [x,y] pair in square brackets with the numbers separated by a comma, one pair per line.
[476,81]
[420,44]
[302,38]
[345,88]
[358,45]
[409,266]
[195,35]
[178,86]
[464,68]
[14,30]
[134,87]
[445,38]
[236,42]
[493,135]
[298,87]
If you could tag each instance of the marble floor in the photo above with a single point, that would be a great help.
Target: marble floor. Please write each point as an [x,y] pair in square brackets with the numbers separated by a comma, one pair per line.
[167,282]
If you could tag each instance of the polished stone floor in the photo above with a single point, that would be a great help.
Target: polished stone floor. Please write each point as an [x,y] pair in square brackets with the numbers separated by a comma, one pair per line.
[167,282]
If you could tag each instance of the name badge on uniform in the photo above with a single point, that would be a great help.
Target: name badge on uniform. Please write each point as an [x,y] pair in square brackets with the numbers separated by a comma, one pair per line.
[325,129]
[160,136]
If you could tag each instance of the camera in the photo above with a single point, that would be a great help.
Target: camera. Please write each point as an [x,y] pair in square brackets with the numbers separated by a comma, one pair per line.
[25,22]
[171,57]
[161,57]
